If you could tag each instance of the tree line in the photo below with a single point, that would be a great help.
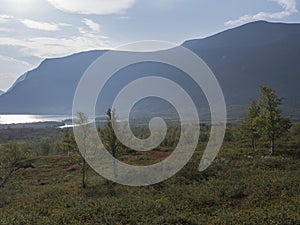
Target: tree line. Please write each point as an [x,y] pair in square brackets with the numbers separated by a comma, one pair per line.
[263,120]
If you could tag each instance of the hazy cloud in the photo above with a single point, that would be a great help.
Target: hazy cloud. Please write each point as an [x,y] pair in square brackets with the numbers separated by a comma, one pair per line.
[5,18]
[95,27]
[45,47]
[40,25]
[124,17]
[11,69]
[100,7]
[12,60]
[33,24]
[289,7]
[3,29]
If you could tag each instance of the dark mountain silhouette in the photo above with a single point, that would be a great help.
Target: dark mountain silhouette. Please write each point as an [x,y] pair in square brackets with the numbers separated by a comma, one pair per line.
[259,53]
[242,58]
[48,89]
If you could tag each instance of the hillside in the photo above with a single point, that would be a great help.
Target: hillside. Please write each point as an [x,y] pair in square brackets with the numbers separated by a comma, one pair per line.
[259,53]
[48,89]
[241,186]
[256,189]
[242,58]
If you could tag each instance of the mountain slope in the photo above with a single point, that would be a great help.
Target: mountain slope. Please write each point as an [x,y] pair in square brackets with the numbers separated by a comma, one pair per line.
[258,53]
[48,89]
[1,92]
[242,59]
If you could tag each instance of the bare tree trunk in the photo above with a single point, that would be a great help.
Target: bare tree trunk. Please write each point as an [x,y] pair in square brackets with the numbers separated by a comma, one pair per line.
[115,169]
[83,173]
[253,143]
[114,153]
[272,145]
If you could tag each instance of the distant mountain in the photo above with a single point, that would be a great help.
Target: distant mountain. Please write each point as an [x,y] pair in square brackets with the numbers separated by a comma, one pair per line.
[20,79]
[258,53]
[242,58]
[48,89]
[1,92]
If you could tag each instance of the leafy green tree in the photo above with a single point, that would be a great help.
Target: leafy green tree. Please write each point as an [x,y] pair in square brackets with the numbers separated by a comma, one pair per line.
[45,146]
[11,155]
[232,133]
[295,129]
[68,143]
[108,136]
[251,123]
[272,124]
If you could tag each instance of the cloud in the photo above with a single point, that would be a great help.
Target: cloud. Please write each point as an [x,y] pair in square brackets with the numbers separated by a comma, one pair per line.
[5,18]
[43,47]
[12,60]
[95,27]
[124,17]
[46,47]
[55,46]
[289,7]
[40,25]
[33,24]
[11,69]
[3,29]
[99,7]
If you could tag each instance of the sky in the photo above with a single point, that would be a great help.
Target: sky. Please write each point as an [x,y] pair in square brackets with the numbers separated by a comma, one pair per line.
[32,30]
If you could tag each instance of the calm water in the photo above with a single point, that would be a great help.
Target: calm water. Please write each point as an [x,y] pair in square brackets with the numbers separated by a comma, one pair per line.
[17,119]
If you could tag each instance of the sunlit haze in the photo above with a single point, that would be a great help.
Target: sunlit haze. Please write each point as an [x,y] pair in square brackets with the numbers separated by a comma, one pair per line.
[32,30]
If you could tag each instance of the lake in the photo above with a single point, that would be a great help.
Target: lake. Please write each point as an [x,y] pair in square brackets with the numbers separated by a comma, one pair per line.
[19,119]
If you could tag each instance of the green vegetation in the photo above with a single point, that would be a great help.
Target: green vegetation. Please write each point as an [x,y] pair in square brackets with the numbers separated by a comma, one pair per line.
[108,135]
[12,153]
[264,118]
[251,123]
[273,125]
[241,187]
[46,181]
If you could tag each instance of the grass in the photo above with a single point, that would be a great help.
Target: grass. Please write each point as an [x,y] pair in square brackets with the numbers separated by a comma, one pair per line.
[240,187]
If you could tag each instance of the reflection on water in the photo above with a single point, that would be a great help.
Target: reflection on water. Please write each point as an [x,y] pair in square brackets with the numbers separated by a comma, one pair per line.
[17,119]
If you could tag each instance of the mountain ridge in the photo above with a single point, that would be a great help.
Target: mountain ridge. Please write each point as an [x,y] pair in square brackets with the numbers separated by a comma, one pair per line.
[242,59]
